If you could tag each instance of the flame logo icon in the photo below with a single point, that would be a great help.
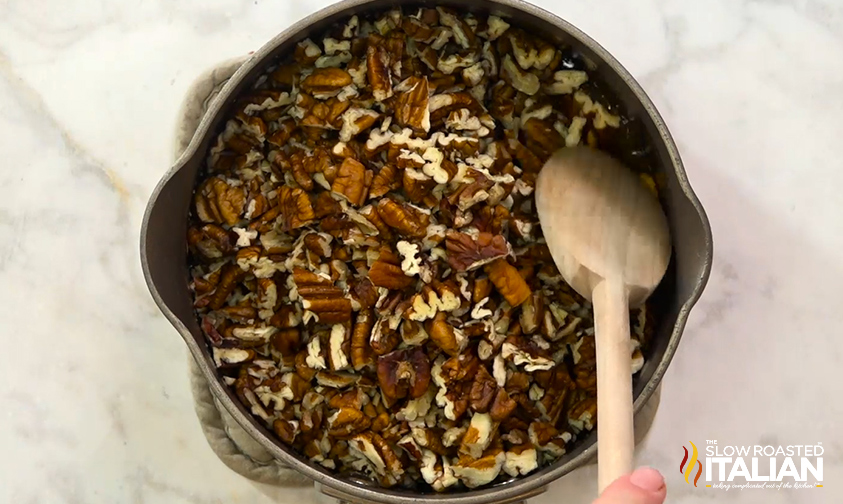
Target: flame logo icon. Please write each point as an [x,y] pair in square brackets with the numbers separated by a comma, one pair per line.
[687,471]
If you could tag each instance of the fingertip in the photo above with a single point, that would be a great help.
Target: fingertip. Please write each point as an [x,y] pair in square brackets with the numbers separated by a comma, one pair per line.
[648,479]
[643,486]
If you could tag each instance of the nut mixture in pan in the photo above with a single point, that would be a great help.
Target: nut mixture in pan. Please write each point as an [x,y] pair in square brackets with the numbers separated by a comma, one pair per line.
[367,262]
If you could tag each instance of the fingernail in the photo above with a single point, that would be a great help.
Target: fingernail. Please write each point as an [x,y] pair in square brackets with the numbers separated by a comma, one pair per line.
[647,478]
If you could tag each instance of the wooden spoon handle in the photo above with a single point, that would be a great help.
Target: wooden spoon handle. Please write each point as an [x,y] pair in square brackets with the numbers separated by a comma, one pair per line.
[615,437]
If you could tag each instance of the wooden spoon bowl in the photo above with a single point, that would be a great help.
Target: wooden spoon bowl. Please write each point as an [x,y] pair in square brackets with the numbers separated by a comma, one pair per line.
[609,238]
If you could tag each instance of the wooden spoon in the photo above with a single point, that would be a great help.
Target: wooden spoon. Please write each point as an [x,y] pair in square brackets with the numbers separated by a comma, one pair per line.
[610,240]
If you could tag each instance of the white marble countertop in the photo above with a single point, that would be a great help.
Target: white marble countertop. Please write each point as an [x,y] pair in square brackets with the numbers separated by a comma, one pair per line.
[96,406]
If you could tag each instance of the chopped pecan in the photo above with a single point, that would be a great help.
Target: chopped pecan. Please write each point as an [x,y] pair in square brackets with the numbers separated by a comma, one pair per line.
[381,422]
[404,373]
[318,244]
[364,292]
[523,81]
[325,205]
[211,241]
[282,134]
[295,207]
[286,430]
[326,80]
[351,182]
[532,313]
[466,253]
[502,407]
[482,289]
[356,120]
[411,106]
[232,358]
[451,340]
[229,277]
[387,179]
[518,382]
[585,363]
[441,105]
[528,160]
[286,317]
[384,338]
[383,274]
[354,398]
[297,385]
[303,277]
[371,213]
[339,347]
[479,435]
[287,343]
[438,297]
[216,201]
[324,300]
[335,380]
[302,368]
[361,355]
[346,422]
[556,393]
[204,285]
[542,138]
[492,219]
[508,282]
[378,71]
[417,185]
[483,391]
[413,333]
[406,220]
[327,114]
